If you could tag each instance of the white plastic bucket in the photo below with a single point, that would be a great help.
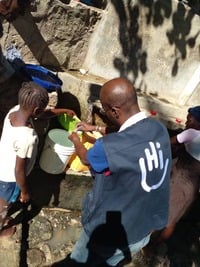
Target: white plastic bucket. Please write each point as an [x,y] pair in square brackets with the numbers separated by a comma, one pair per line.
[56,152]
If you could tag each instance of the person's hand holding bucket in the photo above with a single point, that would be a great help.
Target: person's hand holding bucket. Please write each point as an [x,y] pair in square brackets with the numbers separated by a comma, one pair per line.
[72,114]
[85,127]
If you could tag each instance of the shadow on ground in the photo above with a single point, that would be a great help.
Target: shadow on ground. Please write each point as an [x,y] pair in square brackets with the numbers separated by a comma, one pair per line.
[63,192]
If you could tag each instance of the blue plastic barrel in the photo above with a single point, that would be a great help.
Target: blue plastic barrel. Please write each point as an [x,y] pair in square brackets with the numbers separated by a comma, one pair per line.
[42,76]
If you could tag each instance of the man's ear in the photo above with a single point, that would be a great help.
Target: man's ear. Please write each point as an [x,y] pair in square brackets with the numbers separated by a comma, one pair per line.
[115,112]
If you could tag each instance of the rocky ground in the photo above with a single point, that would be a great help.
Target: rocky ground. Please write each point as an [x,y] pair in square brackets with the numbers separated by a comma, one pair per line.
[47,230]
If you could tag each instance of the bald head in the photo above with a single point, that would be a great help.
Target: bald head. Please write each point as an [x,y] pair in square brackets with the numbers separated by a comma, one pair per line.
[119,100]
[119,92]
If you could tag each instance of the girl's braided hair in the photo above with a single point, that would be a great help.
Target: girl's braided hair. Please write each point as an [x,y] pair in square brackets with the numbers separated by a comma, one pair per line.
[32,95]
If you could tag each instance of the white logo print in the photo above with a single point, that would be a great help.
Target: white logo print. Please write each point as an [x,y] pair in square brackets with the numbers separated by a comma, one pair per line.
[154,158]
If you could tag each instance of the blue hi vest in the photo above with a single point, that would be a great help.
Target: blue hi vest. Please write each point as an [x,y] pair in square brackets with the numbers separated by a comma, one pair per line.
[137,183]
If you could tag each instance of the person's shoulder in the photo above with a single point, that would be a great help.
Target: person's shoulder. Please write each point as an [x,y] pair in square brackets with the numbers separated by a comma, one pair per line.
[155,122]
[189,133]
[157,126]
[26,135]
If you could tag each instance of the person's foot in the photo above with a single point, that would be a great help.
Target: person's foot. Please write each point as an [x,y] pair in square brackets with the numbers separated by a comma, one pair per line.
[148,251]
[8,232]
[155,249]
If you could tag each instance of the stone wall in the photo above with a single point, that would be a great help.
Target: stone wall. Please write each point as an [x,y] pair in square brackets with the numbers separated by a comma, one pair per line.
[154,44]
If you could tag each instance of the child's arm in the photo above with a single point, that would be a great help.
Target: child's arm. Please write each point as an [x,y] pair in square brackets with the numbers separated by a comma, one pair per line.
[174,140]
[21,179]
[176,147]
[50,113]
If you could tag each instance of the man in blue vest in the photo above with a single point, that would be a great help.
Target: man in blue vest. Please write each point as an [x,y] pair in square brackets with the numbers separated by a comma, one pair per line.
[130,195]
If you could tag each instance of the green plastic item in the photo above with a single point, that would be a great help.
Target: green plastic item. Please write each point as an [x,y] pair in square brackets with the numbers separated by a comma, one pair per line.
[67,122]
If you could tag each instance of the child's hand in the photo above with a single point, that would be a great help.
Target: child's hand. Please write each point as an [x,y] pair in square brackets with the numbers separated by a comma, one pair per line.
[24,197]
[70,112]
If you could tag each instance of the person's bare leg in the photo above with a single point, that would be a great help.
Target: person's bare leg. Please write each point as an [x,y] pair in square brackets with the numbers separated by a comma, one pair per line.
[7,7]
[157,238]
[4,220]
[3,211]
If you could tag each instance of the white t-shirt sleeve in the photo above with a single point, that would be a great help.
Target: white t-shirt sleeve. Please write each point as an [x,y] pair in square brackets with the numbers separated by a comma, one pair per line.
[187,135]
[24,146]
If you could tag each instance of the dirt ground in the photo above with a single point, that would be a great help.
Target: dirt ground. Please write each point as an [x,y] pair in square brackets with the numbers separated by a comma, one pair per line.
[181,250]
[47,232]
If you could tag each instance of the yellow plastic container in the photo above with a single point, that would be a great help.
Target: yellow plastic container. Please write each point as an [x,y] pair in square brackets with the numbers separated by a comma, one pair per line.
[75,163]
